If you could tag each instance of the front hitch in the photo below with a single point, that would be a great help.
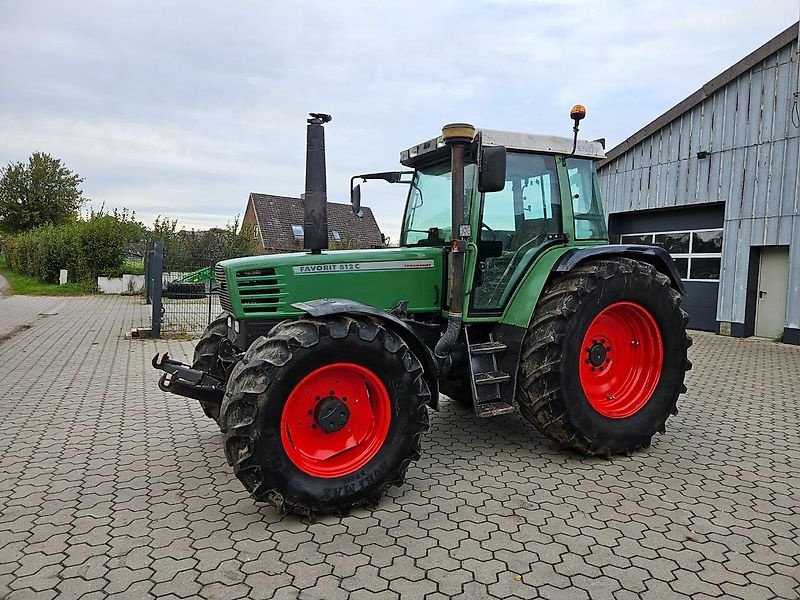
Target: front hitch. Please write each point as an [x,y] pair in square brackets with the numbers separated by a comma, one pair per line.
[183,380]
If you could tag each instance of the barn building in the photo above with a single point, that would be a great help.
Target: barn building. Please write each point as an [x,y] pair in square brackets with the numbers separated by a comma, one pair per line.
[714,180]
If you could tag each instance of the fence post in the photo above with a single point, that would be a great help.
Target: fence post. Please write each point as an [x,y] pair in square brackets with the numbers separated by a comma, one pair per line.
[210,284]
[147,252]
[156,283]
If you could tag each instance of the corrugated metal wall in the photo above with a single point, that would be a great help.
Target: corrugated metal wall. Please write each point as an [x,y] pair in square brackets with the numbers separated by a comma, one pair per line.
[750,128]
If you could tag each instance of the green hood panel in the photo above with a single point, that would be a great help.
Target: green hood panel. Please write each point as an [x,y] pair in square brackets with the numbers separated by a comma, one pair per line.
[266,286]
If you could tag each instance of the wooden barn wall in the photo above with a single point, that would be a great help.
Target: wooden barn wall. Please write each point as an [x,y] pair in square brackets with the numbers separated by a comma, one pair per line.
[750,129]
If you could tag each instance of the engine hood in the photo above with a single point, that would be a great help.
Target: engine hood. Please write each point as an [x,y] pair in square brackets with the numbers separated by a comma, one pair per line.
[266,286]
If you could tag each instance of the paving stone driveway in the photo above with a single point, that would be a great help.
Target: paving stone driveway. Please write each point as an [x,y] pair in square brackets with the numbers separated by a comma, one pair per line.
[110,487]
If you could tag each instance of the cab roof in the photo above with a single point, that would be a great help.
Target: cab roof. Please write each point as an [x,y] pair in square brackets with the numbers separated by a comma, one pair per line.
[434,149]
[541,143]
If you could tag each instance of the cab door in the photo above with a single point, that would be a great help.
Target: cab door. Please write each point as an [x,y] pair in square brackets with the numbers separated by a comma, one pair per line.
[515,226]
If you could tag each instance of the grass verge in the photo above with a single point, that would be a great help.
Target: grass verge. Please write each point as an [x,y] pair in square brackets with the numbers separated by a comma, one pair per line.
[27,286]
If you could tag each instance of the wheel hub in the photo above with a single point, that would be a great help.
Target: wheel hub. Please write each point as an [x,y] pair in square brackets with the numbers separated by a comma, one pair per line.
[621,361]
[598,353]
[331,414]
[335,420]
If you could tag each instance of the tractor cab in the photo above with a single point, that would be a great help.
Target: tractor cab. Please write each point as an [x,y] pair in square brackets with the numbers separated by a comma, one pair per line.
[548,195]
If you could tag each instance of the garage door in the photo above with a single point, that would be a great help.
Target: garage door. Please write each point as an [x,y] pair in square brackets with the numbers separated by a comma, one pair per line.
[693,237]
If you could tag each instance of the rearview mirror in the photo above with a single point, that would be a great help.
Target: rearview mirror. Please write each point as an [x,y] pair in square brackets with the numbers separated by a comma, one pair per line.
[355,199]
[492,174]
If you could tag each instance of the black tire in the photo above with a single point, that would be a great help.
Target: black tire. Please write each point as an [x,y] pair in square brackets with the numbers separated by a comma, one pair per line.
[205,359]
[261,383]
[549,389]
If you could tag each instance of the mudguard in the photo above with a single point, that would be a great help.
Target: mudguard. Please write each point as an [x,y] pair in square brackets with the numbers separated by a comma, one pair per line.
[658,257]
[338,306]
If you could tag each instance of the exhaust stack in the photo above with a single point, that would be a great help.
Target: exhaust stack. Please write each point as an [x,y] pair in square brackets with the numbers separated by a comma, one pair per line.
[315,202]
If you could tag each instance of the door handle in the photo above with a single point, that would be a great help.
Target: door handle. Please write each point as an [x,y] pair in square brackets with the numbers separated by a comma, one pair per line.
[761,293]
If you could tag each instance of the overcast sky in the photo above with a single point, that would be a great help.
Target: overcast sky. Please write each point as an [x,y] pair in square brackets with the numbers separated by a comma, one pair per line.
[183,108]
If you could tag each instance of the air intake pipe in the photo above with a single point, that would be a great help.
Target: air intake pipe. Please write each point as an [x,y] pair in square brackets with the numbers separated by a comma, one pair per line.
[458,136]
[315,201]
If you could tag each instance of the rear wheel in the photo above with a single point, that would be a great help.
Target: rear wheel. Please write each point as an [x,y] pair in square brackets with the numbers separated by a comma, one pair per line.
[206,358]
[324,414]
[604,359]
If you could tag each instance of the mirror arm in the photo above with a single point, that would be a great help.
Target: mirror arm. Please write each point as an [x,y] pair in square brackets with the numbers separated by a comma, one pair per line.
[390,176]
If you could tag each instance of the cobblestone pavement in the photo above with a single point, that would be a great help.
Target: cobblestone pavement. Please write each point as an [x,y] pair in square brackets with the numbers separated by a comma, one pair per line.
[110,487]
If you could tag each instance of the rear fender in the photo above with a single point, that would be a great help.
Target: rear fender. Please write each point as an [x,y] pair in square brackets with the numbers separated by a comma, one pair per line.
[335,306]
[559,261]
[658,257]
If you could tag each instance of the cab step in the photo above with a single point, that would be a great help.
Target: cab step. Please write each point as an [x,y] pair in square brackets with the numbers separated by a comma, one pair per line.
[487,378]
[493,409]
[491,377]
[487,348]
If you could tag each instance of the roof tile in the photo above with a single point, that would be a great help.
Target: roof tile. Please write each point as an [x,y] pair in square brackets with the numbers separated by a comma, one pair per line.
[277,214]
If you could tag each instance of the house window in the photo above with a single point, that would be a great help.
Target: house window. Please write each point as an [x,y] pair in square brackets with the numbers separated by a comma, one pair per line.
[255,232]
[336,236]
[297,231]
[697,253]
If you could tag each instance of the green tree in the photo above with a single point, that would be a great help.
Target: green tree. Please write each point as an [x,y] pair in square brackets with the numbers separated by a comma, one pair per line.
[41,192]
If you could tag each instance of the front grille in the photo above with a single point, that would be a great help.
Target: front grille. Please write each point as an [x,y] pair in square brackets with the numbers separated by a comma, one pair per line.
[260,290]
[224,293]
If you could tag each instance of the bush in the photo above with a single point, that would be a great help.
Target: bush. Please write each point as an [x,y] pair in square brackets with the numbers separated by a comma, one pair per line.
[190,249]
[97,246]
[86,248]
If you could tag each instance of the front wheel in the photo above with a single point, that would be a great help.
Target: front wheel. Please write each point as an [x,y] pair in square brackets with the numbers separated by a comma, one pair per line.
[604,359]
[324,414]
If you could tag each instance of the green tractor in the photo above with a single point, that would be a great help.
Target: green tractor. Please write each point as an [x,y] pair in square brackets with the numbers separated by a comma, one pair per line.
[503,294]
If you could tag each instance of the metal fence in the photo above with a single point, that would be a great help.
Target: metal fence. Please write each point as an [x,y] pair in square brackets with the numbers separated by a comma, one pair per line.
[181,289]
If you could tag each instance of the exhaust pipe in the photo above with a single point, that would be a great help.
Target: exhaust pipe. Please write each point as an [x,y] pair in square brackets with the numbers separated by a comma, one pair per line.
[458,136]
[315,201]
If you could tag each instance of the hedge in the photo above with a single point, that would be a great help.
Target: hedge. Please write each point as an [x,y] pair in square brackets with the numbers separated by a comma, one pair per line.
[86,248]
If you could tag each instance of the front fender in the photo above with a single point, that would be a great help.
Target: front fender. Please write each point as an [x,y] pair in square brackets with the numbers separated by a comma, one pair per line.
[337,306]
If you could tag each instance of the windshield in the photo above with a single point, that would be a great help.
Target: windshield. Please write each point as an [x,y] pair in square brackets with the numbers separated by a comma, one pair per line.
[429,205]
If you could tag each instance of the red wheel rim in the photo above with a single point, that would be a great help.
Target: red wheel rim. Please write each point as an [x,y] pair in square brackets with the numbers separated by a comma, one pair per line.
[341,395]
[621,359]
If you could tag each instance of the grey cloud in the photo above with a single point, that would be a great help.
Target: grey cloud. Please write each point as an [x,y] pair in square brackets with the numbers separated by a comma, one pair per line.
[183,108]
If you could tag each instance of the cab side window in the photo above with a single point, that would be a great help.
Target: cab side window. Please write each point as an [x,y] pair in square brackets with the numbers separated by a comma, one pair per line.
[590,222]
[520,217]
